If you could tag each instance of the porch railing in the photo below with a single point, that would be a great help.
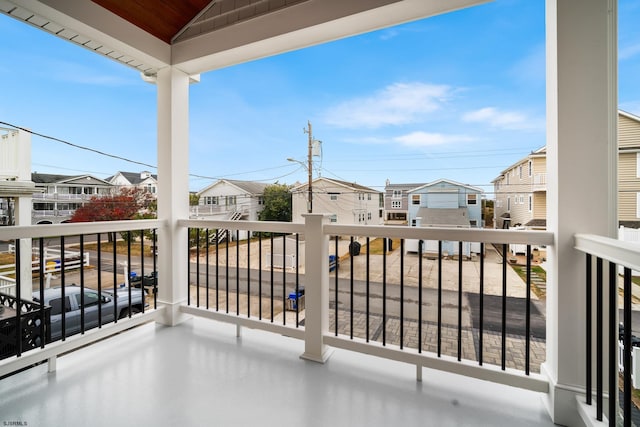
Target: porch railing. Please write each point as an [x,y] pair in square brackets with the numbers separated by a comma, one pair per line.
[604,258]
[91,297]
[381,301]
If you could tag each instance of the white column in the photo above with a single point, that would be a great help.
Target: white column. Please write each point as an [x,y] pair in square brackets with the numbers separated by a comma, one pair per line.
[316,288]
[23,212]
[173,190]
[581,172]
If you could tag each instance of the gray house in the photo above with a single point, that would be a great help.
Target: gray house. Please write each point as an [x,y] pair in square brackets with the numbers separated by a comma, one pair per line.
[445,204]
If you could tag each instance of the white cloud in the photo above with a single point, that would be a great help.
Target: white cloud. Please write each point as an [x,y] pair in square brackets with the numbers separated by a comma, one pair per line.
[425,139]
[629,51]
[396,104]
[495,118]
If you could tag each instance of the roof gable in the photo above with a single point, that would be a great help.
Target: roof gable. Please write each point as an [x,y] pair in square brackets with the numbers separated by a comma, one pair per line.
[345,184]
[448,182]
[249,187]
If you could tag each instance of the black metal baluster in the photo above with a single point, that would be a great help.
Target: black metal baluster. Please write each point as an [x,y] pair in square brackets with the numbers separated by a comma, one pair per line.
[197,267]
[129,268]
[335,290]
[351,289]
[284,279]
[228,235]
[420,242]
[368,289]
[18,244]
[271,294]
[189,266]
[99,268]
[260,276]
[43,332]
[82,314]
[217,270]
[439,298]
[248,274]
[527,332]
[115,277]
[142,269]
[504,307]
[627,344]
[298,296]
[155,270]
[237,272]
[207,268]
[384,291]
[481,331]
[599,339]
[401,292]
[588,349]
[63,302]
[459,301]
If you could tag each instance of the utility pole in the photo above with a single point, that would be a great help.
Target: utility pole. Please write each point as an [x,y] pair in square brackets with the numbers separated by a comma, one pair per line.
[310,167]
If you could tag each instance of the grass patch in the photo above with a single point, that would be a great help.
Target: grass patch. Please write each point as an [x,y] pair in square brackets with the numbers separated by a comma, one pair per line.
[6,258]
[121,248]
[376,246]
[539,271]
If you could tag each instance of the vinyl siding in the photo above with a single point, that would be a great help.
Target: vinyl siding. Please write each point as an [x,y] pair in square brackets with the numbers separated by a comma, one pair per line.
[540,205]
[628,132]
[627,206]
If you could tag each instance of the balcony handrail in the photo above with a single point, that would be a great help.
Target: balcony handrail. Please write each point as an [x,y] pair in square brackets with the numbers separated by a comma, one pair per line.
[532,237]
[623,253]
[35,231]
[268,226]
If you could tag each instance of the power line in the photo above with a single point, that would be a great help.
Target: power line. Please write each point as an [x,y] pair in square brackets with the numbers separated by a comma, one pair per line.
[80,147]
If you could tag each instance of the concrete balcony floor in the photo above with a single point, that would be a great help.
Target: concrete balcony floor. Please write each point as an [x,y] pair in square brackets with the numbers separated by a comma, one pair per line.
[200,374]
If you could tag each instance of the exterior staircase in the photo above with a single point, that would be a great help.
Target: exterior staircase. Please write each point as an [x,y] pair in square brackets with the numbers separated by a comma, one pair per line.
[222,235]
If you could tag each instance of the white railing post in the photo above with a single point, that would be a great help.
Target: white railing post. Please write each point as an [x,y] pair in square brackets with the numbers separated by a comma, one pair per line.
[316,288]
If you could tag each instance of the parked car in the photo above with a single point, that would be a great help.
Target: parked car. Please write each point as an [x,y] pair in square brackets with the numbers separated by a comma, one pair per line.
[92,299]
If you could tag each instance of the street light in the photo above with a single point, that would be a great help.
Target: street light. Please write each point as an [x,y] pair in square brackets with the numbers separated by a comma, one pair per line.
[309,169]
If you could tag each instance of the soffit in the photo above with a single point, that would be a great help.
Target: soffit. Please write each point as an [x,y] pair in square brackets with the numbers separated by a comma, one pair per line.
[201,35]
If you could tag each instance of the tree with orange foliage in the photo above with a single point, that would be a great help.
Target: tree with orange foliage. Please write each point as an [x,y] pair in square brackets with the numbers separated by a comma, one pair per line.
[128,203]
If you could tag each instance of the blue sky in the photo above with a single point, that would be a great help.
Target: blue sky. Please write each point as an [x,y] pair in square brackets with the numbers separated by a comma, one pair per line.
[459,96]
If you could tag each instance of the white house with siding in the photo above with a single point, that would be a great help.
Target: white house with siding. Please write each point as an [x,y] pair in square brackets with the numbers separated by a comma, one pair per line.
[230,199]
[348,203]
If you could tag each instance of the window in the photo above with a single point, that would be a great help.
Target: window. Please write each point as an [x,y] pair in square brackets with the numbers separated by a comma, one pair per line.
[368,196]
[260,200]
[397,194]
[369,215]
[56,305]
[472,199]
[231,200]
[530,168]
[396,204]
[520,171]
[211,200]
[473,222]
[530,202]
[508,203]
[415,199]
[90,298]
[413,222]
[333,196]
[360,196]
[333,218]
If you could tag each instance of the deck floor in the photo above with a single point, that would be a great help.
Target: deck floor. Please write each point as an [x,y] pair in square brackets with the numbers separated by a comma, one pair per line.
[200,374]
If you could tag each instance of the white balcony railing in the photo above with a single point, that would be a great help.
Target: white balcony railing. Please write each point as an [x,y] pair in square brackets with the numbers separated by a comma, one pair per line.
[539,182]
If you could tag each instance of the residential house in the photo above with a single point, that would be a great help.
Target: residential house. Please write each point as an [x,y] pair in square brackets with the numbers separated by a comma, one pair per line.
[521,189]
[521,193]
[61,195]
[230,199]
[144,180]
[171,47]
[396,203]
[445,204]
[16,187]
[345,202]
